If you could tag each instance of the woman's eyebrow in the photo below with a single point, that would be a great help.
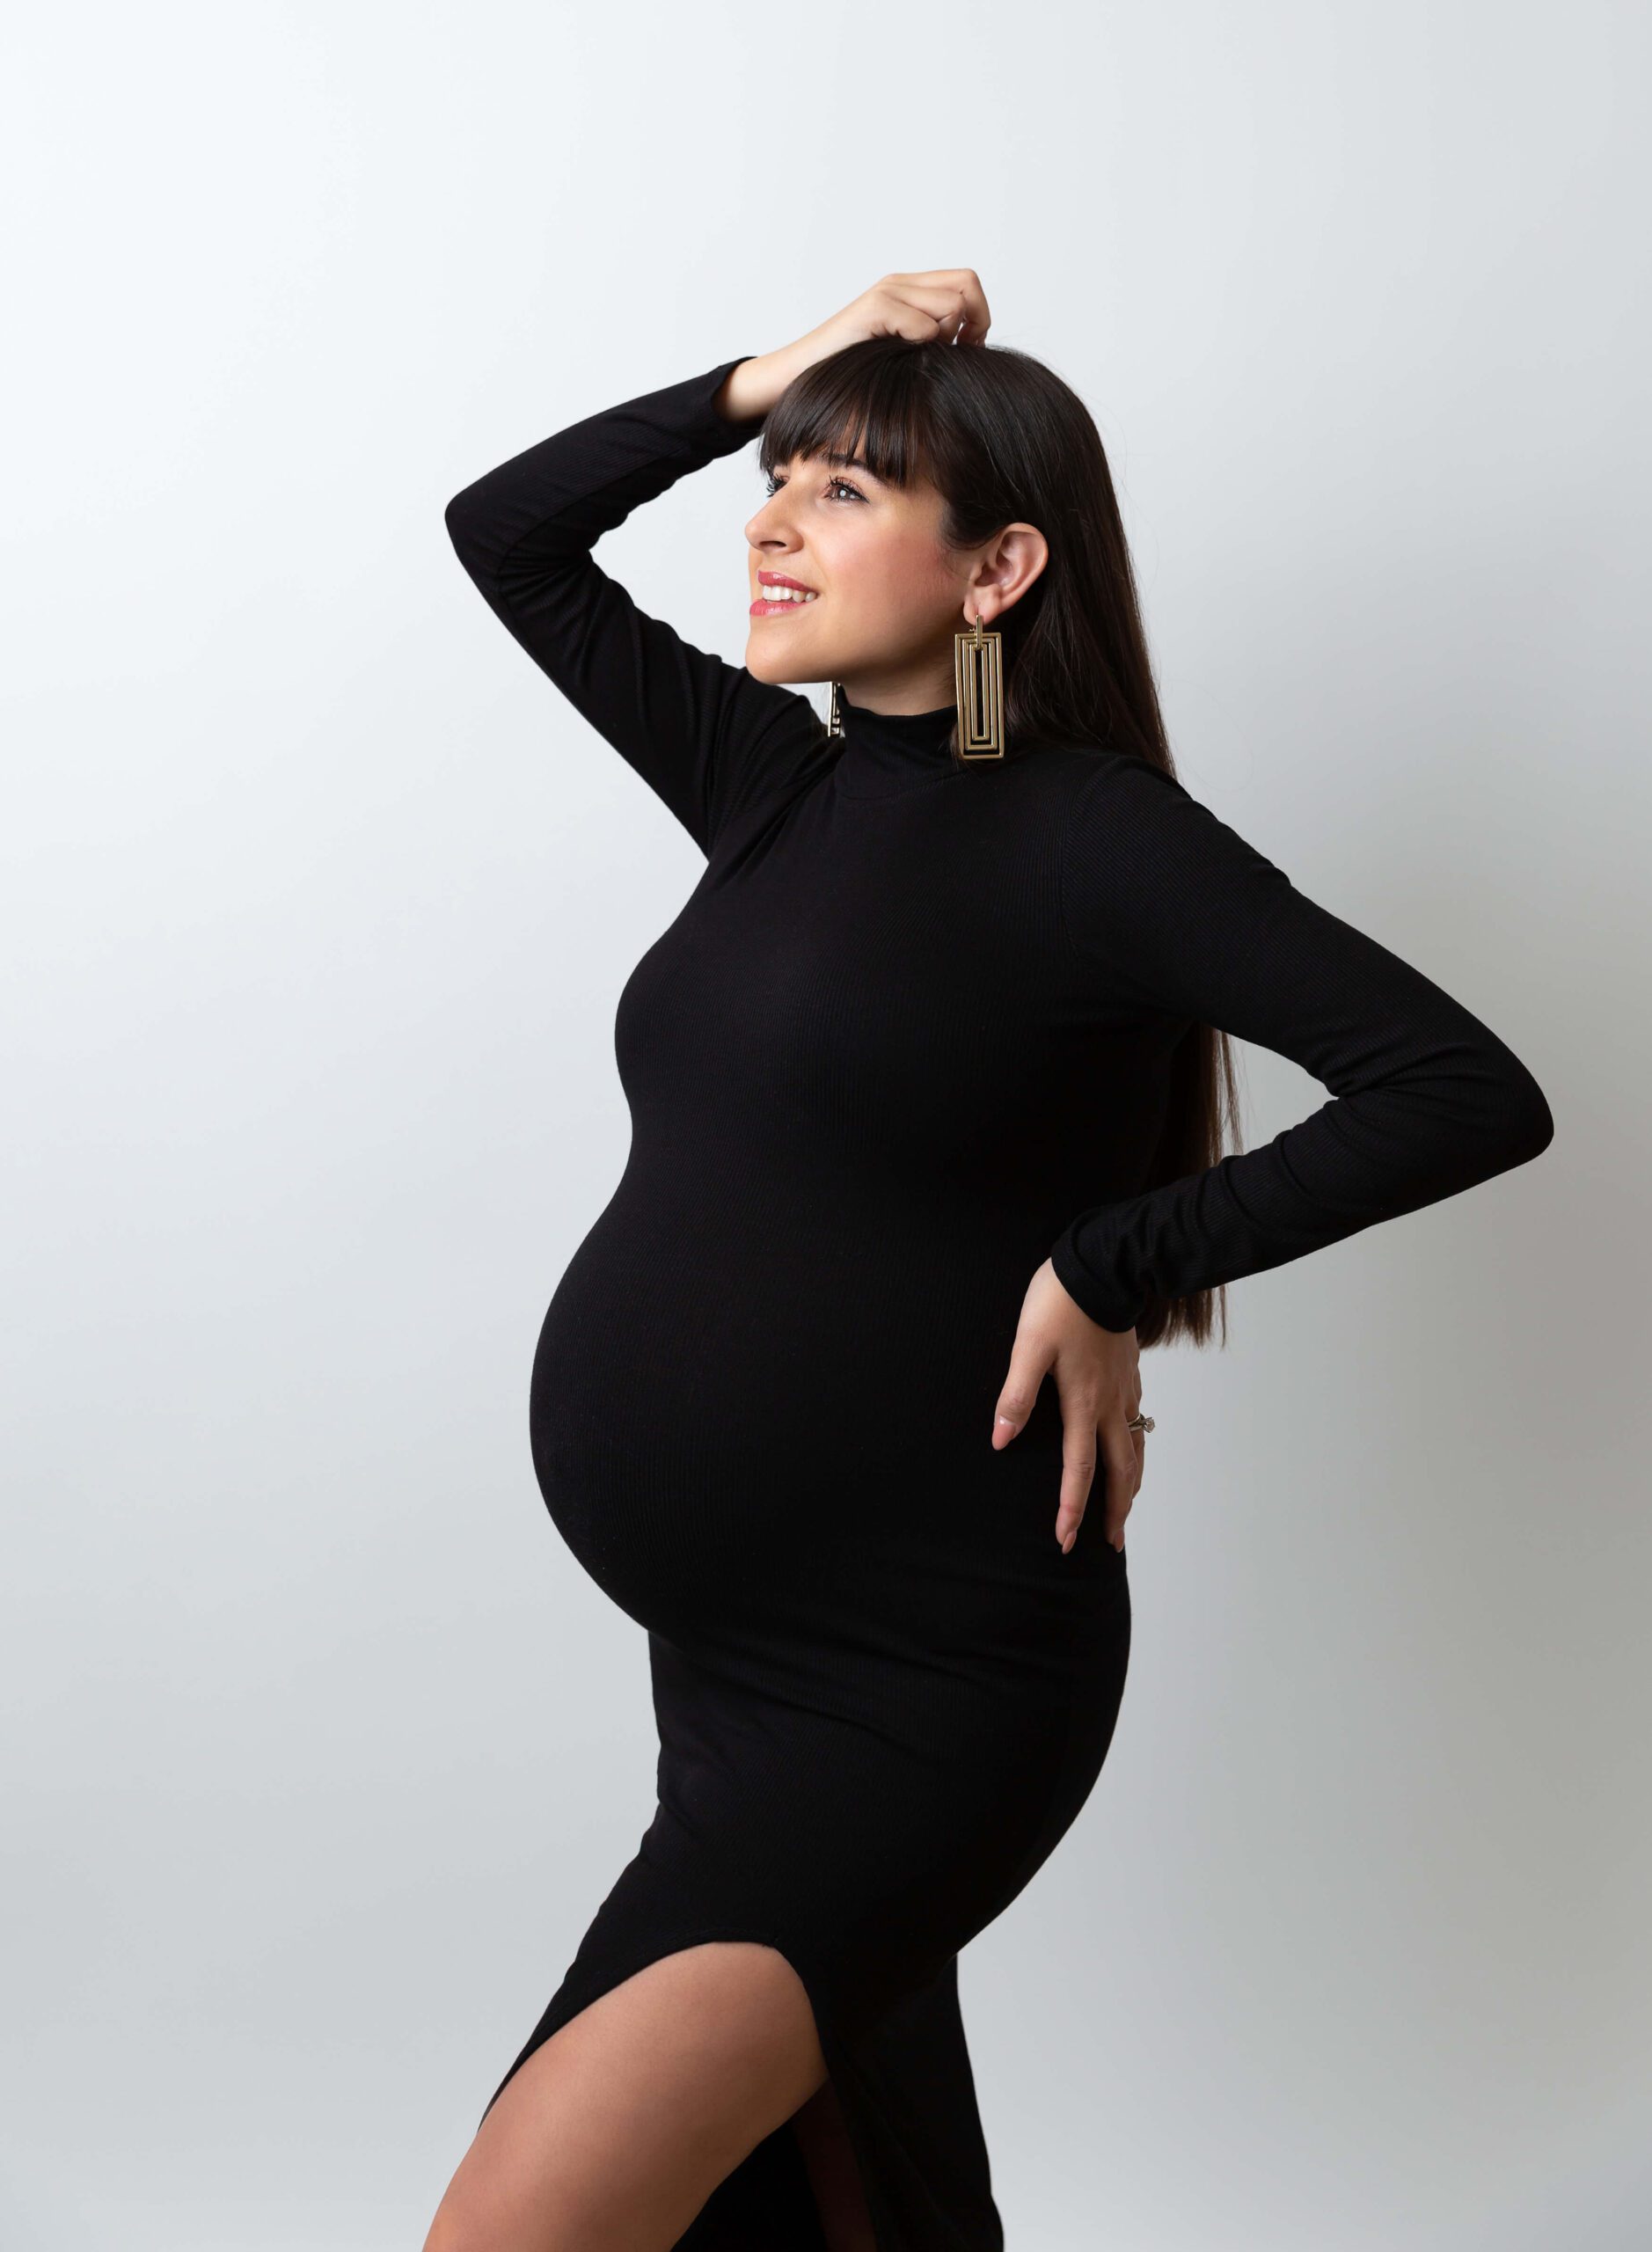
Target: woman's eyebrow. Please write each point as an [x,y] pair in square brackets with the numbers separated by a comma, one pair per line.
[853,461]
[836,459]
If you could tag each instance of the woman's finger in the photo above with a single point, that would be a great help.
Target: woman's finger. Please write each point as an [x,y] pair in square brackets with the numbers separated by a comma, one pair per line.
[1077,1462]
[1123,1474]
[1029,1364]
[951,299]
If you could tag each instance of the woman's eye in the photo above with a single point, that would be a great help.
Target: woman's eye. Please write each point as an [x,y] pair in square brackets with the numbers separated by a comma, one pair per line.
[772,484]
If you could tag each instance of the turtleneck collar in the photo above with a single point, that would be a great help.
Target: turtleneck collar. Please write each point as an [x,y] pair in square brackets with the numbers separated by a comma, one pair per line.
[887,751]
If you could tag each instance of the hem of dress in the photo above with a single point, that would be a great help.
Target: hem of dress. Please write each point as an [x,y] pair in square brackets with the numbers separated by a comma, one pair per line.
[834,2049]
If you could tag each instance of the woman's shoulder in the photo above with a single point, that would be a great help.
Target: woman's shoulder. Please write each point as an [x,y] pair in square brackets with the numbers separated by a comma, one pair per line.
[1099,792]
[1140,854]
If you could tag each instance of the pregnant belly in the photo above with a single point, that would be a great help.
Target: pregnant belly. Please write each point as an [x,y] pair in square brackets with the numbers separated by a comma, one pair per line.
[725,1404]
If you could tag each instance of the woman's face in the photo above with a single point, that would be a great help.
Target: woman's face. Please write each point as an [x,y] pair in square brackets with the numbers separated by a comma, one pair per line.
[886,596]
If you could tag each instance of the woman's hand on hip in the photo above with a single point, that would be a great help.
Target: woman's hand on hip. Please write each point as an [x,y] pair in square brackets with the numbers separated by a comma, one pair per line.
[947,304]
[1097,1374]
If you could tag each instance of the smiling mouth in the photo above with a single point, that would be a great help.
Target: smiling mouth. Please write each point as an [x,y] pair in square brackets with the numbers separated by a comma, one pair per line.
[779,601]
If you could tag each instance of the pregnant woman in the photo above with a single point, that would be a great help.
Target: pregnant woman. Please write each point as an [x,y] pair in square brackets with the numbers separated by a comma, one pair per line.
[839,1398]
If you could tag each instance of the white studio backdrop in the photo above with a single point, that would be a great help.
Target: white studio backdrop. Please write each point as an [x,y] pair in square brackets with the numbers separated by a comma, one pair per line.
[319,1751]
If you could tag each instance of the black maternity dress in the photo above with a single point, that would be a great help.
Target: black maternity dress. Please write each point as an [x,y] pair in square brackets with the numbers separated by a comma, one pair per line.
[912,1034]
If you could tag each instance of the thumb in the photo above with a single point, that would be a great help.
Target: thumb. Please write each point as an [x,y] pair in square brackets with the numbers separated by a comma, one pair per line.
[1029,1364]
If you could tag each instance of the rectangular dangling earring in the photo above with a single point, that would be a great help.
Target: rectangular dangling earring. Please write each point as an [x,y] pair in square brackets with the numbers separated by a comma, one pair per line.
[978,674]
[833,717]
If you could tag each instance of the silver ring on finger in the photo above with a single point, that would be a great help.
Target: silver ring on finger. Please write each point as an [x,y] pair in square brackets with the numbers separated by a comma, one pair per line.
[1143,1423]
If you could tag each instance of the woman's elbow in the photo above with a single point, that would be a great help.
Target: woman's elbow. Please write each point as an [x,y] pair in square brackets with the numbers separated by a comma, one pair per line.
[473,534]
[459,516]
[1525,1122]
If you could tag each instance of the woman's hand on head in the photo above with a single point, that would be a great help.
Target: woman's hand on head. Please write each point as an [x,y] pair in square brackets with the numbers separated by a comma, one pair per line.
[1097,1374]
[947,304]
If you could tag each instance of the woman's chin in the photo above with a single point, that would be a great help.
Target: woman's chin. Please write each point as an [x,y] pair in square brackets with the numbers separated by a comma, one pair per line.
[766,663]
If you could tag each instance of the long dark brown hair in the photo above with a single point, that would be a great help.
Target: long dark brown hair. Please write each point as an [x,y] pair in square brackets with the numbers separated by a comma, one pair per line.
[1004,440]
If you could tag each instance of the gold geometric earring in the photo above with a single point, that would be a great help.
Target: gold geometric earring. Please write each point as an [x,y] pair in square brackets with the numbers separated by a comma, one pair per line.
[978,674]
[833,717]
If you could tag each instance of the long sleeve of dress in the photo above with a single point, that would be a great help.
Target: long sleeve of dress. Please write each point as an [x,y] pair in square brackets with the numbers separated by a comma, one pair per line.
[703,733]
[1178,914]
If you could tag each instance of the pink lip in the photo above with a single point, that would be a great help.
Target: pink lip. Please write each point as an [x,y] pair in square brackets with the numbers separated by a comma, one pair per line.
[762,609]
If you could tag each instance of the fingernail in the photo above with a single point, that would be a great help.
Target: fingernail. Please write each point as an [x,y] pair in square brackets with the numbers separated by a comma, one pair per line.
[1003,1423]
[1066,1545]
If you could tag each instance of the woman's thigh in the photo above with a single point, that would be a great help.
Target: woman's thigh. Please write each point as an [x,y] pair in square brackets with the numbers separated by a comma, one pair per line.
[616,2131]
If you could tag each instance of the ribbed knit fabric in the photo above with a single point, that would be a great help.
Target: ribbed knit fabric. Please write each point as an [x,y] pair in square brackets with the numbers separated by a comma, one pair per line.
[912,1032]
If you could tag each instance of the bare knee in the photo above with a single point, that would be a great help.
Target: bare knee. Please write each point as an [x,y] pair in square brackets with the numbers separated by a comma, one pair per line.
[612,2134]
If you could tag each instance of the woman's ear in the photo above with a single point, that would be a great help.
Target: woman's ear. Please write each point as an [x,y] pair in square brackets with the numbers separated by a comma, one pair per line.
[1001,578]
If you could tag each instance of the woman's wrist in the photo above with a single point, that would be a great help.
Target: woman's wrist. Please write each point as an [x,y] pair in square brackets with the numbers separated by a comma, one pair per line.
[749,391]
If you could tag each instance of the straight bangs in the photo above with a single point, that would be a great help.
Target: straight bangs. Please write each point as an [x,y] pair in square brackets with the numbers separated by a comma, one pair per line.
[876,409]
